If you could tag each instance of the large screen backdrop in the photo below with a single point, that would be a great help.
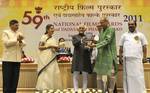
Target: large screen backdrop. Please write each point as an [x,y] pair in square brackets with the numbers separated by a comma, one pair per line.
[67,15]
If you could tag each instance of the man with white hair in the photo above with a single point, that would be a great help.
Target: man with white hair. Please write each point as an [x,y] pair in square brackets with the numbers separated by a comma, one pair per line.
[106,62]
[81,58]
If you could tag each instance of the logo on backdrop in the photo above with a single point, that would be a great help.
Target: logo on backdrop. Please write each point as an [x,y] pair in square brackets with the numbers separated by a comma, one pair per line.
[37,19]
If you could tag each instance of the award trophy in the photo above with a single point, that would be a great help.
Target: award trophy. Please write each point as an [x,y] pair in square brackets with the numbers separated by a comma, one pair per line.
[88,38]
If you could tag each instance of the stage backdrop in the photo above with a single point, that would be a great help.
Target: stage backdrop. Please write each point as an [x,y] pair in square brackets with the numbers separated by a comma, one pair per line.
[67,15]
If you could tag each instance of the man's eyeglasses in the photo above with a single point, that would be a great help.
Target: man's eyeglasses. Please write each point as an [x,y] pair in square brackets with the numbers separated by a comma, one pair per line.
[81,28]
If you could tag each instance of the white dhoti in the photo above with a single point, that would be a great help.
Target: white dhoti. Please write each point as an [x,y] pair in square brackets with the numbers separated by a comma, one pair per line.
[133,76]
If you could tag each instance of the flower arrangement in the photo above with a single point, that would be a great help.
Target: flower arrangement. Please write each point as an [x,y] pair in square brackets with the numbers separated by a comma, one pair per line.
[70,91]
[64,59]
[27,60]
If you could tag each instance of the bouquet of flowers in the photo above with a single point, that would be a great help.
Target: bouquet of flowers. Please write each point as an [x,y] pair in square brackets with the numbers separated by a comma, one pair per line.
[64,59]
[27,60]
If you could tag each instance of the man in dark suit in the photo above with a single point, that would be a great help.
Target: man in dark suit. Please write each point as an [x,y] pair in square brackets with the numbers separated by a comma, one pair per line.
[81,58]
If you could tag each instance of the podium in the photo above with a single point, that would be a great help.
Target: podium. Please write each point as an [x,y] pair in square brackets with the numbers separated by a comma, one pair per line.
[27,80]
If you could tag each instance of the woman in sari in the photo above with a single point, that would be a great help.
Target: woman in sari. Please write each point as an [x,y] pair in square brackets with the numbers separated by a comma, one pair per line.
[50,77]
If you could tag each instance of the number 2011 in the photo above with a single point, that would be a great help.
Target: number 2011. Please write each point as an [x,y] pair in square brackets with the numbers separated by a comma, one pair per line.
[136,18]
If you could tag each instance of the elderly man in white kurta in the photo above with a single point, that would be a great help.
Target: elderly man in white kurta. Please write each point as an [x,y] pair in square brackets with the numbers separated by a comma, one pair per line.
[132,53]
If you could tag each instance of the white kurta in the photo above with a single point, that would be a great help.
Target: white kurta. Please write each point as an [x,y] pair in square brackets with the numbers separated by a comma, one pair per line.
[12,48]
[133,73]
[50,78]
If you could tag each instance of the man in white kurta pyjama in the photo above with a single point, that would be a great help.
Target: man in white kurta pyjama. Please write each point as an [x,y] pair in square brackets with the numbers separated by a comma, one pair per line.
[132,52]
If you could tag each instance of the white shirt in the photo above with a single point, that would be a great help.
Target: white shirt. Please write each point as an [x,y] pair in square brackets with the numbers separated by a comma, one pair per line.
[132,44]
[12,48]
